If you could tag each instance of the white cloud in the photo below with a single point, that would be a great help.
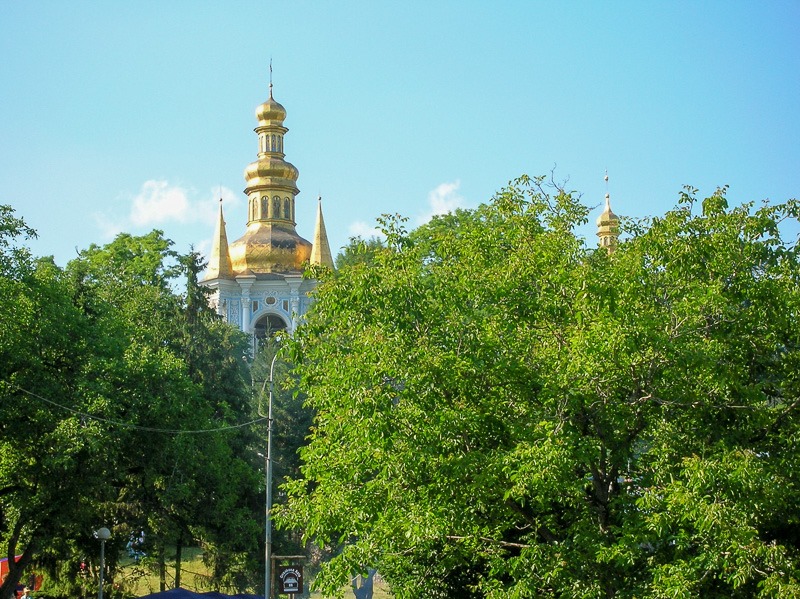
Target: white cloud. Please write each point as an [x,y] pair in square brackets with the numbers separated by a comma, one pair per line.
[444,198]
[108,228]
[176,209]
[361,229]
[159,202]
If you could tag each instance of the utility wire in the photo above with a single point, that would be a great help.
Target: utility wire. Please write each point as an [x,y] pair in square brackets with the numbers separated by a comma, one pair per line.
[136,426]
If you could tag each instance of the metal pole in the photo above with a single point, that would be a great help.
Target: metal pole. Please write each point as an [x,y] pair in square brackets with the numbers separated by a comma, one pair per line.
[268,525]
[102,566]
[103,534]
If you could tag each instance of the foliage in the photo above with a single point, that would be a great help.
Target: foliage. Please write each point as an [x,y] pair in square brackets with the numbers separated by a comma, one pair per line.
[49,348]
[291,422]
[504,412]
[14,259]
[124,404]
[359,251]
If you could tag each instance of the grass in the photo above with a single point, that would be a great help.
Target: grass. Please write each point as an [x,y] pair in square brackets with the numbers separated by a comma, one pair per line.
[381,592]
[142,578]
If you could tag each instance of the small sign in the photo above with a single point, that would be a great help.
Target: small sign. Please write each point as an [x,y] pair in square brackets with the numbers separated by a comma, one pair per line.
[290,579]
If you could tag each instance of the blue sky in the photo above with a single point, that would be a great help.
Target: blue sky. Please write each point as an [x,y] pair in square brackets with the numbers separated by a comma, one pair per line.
[129,116]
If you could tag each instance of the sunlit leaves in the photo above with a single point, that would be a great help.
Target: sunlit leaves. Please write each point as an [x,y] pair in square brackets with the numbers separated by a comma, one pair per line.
[515,414]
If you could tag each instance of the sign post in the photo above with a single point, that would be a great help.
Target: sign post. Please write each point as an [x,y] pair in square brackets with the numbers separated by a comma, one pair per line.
[289,577]
[290,580]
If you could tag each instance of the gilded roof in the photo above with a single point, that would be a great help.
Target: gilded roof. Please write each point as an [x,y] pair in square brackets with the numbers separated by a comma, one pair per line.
[269,247]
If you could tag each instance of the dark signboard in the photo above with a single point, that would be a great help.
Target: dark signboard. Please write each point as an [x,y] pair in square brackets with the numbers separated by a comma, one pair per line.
[290,579]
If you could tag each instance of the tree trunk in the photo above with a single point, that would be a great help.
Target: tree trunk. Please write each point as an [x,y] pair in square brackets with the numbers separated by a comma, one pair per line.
[162,568]
[15,567]
[363,587]
[178,552]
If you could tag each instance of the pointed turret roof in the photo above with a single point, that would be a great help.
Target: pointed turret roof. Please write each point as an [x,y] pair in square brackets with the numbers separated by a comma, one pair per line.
[219,263]
[321,249]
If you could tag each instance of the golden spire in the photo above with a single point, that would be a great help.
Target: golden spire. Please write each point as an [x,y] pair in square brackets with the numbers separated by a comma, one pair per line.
[271,243]
[219,263]
[608,224]
[321,249]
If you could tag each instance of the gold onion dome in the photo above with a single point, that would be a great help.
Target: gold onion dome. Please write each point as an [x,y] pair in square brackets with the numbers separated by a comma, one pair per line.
[607,216]
[270,111]
[269,248]
[271,171]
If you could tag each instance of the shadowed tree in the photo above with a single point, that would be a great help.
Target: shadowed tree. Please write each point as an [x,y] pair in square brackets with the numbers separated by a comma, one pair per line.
[116,413]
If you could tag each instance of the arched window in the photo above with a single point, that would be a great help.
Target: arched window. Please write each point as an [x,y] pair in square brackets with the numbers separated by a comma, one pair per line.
[268,325]
[286,214]
[264,207]
[276,207]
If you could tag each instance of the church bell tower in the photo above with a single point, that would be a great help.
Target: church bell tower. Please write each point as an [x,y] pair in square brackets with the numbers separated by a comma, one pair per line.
[257,281]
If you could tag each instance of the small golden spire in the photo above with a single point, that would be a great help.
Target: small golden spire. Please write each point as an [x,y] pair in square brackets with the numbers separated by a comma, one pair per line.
[608,224]
[321,249]
[219,262]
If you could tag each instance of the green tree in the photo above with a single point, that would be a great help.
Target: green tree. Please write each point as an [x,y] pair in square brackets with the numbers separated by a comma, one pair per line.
[359,251]
[123,404]
[53,360]
[187,475]
[504,412]
[229,494]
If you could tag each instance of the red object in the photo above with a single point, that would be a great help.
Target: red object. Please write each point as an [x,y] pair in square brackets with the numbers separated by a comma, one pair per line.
[34,581]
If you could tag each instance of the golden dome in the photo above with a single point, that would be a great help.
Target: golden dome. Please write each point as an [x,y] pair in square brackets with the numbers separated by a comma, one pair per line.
[270,111]
[271,171]
[607,216]
[270,243]
[269,247]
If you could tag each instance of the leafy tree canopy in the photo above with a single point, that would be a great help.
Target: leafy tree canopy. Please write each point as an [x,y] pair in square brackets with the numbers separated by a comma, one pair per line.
[123,404]
[502,411]
[359,251]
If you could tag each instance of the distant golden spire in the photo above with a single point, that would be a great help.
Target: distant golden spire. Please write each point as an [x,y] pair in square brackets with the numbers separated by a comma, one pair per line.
[219,263]
[321,249]
[608,224]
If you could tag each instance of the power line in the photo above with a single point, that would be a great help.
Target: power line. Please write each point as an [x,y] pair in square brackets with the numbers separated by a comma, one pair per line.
[136,426]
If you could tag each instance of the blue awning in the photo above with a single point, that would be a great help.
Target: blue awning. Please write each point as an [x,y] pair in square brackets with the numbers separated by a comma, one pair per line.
[184,594]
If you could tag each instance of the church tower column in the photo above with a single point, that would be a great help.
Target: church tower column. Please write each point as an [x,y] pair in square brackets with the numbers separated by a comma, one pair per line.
[246,282]
[294,300]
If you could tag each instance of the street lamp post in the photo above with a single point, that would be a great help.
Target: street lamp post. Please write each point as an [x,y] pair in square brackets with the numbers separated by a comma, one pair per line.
[103,534]
[268,525]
